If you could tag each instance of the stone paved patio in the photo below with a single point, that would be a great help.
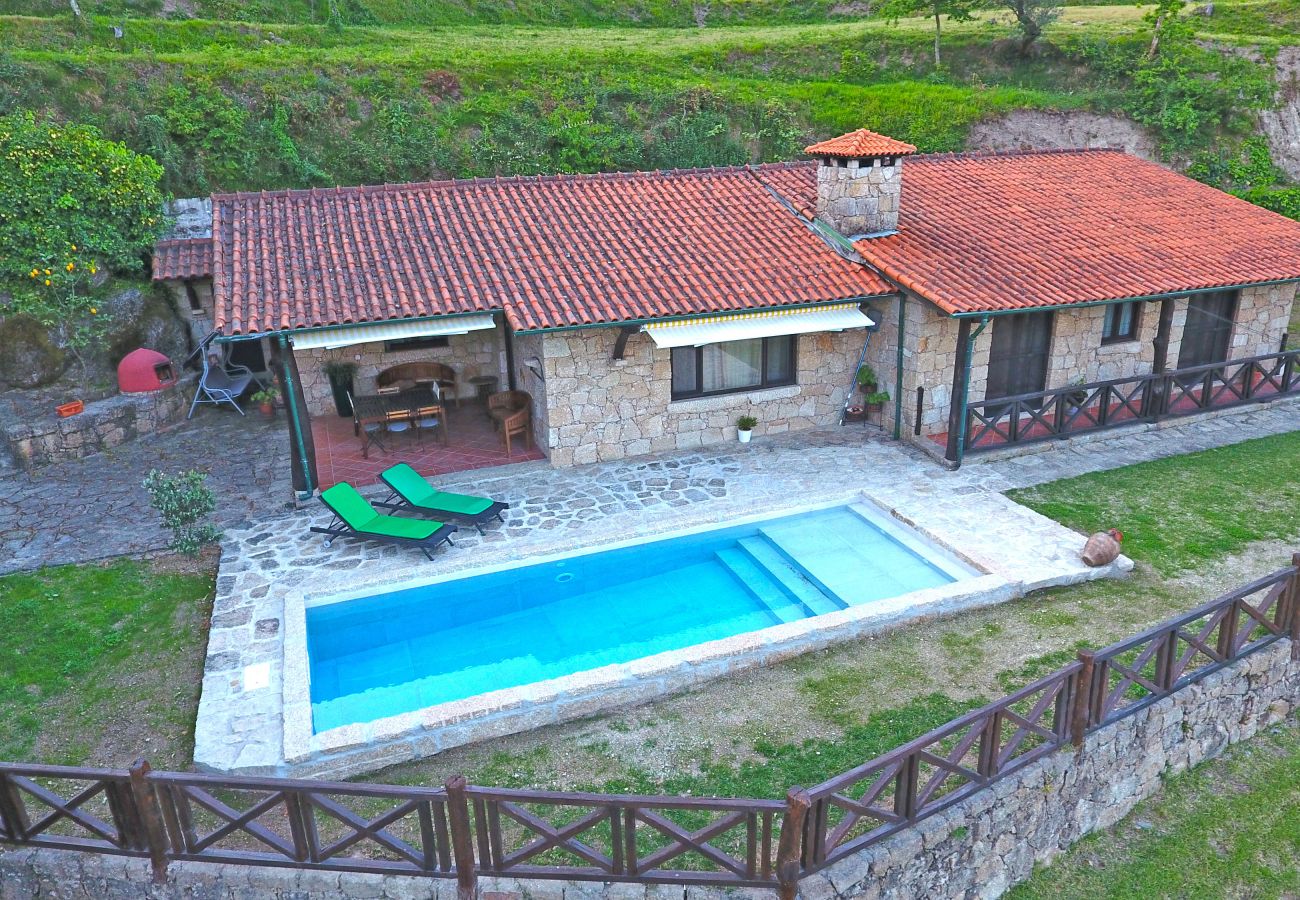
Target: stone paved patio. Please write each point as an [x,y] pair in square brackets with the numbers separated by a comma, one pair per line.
[95,507]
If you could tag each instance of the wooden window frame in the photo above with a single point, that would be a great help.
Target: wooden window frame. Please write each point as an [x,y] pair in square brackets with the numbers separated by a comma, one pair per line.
[428,342]
[764,382]
[1135,325]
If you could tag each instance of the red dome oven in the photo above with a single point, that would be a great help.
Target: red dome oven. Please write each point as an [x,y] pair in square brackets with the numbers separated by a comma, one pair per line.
[144,370]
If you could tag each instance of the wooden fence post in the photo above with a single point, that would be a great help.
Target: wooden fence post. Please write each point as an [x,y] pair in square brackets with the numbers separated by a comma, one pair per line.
[12,811]
[1083,689]
[462,843]
[789,851]
[151,821]
[1227,645]
[1293,593]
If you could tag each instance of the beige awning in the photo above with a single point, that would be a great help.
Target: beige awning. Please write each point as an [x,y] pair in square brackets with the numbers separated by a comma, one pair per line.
[749,325]
[391,331]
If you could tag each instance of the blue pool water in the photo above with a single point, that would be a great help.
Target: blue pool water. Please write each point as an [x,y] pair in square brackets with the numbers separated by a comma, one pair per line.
[396,652]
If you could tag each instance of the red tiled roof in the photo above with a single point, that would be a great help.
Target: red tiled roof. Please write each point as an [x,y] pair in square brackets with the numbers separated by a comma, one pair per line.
[186,258]
[986,232]
[859,144]
[551,251]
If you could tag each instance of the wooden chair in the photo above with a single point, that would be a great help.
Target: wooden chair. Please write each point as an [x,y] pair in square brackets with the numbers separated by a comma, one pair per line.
[511,411]
[416,373]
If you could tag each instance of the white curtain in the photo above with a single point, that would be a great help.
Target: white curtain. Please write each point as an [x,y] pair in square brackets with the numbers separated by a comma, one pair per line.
[735,364]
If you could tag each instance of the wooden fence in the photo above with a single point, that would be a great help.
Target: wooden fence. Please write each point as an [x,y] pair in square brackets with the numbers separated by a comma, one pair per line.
[1081,408]
[463,831]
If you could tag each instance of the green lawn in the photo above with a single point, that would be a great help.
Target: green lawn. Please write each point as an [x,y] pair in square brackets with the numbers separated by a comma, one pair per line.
[1229,828]
[101,662]
[1185,511]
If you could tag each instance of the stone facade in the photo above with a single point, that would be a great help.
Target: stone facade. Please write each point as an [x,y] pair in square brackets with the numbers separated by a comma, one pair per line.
[104,423]
[476,353]
[859,196]
[598,408]
[1076,353]
[978,848]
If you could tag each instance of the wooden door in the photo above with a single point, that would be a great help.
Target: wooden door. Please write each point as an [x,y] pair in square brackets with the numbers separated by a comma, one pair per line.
[1019,354]
[1208,330]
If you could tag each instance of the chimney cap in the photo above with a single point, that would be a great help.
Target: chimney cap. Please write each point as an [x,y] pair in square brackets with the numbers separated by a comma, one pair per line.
[860,144]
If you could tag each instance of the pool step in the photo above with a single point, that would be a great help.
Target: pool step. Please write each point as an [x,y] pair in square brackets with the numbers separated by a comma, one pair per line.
[775,564]
[757,581]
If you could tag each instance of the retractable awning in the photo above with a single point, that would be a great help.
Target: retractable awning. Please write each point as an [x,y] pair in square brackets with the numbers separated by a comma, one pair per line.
[766,323]
[391,331]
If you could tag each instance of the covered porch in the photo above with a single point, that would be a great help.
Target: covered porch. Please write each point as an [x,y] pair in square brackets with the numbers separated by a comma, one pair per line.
[427,392]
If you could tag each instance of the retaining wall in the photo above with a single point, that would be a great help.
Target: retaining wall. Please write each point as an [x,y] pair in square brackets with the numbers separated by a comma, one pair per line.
[104,424]
[977,848]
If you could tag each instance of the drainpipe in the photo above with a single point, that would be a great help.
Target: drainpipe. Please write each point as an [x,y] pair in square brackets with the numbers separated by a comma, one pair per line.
[960,425]
[292,399]
[898,375]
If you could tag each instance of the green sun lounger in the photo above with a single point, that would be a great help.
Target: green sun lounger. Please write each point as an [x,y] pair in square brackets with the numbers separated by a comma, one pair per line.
[410,490]
[355,517]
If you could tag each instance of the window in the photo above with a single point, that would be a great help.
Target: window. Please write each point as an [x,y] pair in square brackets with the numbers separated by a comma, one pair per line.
[733,366]
[1121,322]
[415,343]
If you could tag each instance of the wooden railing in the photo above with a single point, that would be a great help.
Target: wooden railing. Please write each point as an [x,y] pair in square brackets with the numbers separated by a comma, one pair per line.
[1078,409]
[462,831]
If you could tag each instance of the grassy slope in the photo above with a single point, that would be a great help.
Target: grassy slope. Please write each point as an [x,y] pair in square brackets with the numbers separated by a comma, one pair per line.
[230,106]
[101,662]
[1226,829]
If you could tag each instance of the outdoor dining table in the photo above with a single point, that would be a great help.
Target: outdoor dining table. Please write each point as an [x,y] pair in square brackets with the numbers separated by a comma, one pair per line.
[405,405]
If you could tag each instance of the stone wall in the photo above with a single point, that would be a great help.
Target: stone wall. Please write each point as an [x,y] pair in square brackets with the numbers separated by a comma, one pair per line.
[476,353]
[47,439]
[859,197]
[599,408]
[979,847]
[529,375]
[1263,314]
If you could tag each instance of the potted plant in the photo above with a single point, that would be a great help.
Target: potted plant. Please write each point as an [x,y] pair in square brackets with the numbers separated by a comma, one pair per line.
[1077,397]
[867,380]
[745,428]
[340,372]
[265,400]
[875,400]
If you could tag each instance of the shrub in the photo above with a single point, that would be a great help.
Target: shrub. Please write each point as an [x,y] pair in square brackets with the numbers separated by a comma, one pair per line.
[183,500]
[71,202]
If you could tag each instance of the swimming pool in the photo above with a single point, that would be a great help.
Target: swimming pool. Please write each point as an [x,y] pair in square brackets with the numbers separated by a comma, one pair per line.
[391,653]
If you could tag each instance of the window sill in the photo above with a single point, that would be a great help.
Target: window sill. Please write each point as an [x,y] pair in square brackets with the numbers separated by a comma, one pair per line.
[1107,343]
[723,401]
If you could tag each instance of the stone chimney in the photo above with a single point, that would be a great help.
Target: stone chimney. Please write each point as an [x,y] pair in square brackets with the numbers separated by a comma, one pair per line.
[860,182]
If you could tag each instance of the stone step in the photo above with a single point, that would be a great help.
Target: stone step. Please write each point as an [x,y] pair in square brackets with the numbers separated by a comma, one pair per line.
[783,605]
[785,573]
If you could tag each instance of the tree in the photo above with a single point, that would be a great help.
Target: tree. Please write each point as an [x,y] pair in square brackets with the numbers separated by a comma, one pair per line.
[955,10]
[1032,16]
[71,204]
[1163,17]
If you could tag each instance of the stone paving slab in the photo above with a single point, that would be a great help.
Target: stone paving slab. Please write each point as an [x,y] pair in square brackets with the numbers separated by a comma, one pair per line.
[95,507]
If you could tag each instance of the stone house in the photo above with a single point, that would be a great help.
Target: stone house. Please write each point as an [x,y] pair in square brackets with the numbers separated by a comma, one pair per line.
[991,294]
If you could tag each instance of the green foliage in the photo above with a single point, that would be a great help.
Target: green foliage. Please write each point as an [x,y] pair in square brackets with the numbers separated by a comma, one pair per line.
[70,202]
[70,197]
[1281,200]
[1251,167]
[876,397]
[746,423]
[1031,17]
[183,500]
[1188,93]
[955,10]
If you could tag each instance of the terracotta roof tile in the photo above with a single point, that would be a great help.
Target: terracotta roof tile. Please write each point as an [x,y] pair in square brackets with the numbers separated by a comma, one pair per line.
[185,258]
[986,232]
[860,144]
[550,251]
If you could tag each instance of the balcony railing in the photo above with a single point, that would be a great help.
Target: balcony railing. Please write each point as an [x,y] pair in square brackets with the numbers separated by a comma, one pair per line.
[1082,408]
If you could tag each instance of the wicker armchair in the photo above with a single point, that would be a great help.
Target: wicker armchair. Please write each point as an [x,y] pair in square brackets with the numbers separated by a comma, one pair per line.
[416,373]
[512,413]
